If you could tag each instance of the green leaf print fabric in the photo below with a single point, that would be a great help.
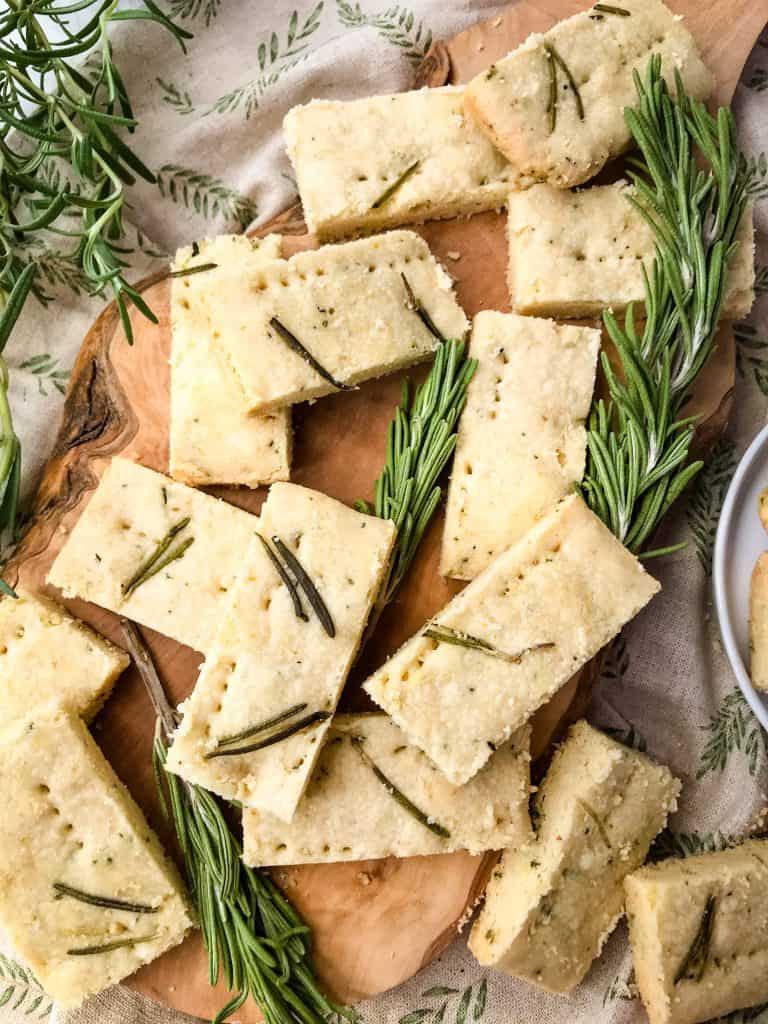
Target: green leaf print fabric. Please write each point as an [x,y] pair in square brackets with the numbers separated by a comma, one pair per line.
[210,127]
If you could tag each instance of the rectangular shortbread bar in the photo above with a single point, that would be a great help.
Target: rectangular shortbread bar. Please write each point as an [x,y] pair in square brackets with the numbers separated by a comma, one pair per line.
[213,440]
[47,657]
[346,306]
[699,934]
[522,443]
[758,624]
[511,639]
[267,662]
[131,512]
[68,821]
[598,52]
[574,254]
[349,811]
[550,908]
[454,169]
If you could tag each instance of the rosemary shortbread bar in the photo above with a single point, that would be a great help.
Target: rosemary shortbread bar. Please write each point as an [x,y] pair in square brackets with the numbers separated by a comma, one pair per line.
[47,657]
[155,551]
[699,933]
[521,443]
[574,254]
[217,442]
[255,722]
[373,795]
[86,893]
[405,158]
[550,908]
[325,320]
[511,639]
[758,624]
[555,105]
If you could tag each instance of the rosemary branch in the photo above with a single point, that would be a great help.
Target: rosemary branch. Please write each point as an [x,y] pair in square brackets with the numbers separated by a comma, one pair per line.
[252,934]
[64,164]
[420,441]
[638,441]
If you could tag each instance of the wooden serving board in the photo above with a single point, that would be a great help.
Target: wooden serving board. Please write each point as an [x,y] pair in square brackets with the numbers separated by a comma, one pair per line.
[378,922]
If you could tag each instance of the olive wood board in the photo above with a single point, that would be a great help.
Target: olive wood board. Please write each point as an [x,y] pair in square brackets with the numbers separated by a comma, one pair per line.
[375,923]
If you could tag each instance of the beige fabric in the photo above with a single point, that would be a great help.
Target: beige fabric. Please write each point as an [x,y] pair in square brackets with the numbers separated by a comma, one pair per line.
[668,678]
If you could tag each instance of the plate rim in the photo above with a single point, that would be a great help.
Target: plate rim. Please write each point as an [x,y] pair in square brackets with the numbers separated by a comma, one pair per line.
[723,542]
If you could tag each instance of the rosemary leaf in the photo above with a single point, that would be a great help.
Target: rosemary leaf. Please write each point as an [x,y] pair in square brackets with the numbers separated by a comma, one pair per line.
[155,561]
[188,271]
[413,303]
[302,578]
[109,902]
[398,795]
[275,737]
[597,821]
[552,94]
[107,947]
[695,961]
[555,58]
[296,346]
[609,9]
[391,189]
[446,635]
[287,581]
[268,723]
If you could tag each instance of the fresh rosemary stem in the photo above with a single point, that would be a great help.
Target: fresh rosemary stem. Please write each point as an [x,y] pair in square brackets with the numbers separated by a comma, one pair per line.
[253,936]
[638,442]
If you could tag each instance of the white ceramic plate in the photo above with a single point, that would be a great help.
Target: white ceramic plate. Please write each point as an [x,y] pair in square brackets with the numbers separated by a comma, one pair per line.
[740,539]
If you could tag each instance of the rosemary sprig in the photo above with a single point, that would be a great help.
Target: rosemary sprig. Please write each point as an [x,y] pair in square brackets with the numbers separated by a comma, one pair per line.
[390,190]
[413,303]
[188,271]
[398,795]
[639,440]
[305,582]
[269,741]
[108,947]
[62,889]
[420,441]
[446,635]
[695,960]
[159,558]
[286,579]
[296,346]
[268,723]
[252,934]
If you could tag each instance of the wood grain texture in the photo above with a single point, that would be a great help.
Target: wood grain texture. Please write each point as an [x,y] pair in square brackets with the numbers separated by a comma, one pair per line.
[406,910]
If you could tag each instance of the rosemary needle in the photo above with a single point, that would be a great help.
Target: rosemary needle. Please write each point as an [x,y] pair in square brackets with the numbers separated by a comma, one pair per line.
[296,346]
[398,795]
[155,561]
[188,271]
[107,947]
[552,94]
[287,581]
[446,635]
[413,304]
[302,577]
[609,9]
[276,737]
[695,961]
[598,822]
[109,902]
[555,58]
[262,726]
[391,189]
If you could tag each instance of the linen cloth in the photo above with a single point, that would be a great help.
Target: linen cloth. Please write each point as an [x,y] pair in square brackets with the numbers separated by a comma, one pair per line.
[210,126]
